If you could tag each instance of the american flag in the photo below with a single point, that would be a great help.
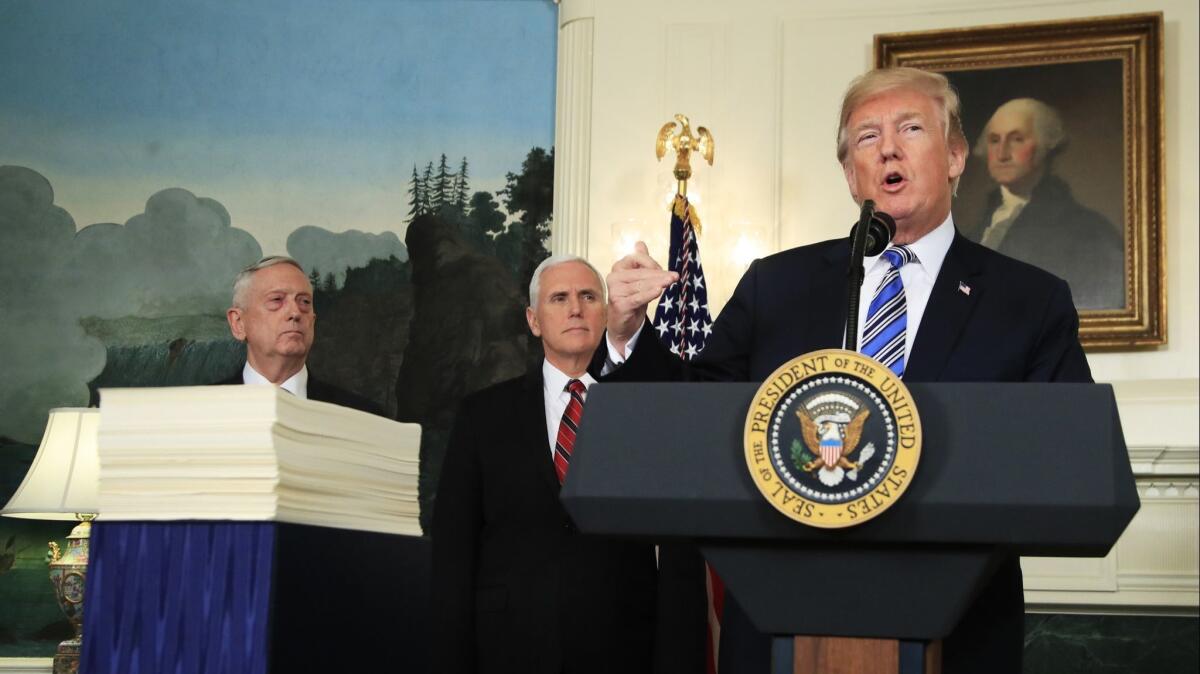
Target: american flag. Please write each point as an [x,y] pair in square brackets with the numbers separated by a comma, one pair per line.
[683,324]
[682,320]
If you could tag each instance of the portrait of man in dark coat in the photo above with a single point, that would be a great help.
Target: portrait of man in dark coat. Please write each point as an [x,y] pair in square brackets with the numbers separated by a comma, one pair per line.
[1031,213]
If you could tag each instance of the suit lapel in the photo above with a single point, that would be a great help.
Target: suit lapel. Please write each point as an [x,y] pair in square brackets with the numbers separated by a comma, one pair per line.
[947,312]
[830,285]
[316,389]
[533,423]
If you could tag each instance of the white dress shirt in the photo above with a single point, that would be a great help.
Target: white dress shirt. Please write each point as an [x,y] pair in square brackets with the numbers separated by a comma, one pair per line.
[917,276]
[296,384]
[555,396]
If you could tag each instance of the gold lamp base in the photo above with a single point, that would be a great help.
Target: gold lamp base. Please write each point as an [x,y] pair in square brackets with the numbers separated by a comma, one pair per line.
[68,571]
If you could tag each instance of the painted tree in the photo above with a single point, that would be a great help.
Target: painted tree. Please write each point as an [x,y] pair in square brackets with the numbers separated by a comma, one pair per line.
[427,183]
[442,186]
[460,187]
[483,222]
[486,215]
[416,196]
[529,195]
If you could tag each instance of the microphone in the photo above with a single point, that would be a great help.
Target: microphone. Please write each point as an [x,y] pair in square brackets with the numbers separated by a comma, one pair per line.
[881,228]
[870,236]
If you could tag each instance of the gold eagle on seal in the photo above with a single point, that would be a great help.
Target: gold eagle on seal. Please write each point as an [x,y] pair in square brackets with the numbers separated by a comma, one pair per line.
[827,443]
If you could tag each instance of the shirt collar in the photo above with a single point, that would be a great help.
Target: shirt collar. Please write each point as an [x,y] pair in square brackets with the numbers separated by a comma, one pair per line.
[556,381]
[1011,200]
[930,249]
[297,384]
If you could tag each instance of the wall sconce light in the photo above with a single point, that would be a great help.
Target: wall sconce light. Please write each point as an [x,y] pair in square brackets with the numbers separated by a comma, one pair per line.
[625,233]
[748,247]
[745,243]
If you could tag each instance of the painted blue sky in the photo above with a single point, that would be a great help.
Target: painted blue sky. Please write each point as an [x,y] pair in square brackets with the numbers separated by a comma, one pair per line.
[288,112]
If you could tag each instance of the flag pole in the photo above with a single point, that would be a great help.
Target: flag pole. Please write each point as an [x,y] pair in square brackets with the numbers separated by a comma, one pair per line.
[682,320]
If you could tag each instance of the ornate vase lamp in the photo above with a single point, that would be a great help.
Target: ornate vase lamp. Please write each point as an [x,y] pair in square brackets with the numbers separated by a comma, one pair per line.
[63,484]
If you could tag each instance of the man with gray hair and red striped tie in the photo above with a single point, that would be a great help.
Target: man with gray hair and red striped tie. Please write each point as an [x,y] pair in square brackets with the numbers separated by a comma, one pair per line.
[516,587]
[934,307]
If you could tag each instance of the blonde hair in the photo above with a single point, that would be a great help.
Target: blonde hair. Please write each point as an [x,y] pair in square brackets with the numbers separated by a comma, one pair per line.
[880,80]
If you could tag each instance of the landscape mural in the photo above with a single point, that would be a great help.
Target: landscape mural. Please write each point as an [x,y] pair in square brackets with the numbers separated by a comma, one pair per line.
[401,151]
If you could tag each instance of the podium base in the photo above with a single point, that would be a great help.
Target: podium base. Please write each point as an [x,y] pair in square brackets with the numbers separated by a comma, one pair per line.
[843,655]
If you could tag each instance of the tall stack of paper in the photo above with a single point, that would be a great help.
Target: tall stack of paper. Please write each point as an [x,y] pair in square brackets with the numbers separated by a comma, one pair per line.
[254,453]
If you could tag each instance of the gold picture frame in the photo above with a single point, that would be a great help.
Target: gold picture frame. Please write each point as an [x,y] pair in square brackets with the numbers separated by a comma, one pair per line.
[1103,77]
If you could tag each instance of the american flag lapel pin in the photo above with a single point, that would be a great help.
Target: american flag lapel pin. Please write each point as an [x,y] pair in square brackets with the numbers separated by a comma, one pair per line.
[964,288]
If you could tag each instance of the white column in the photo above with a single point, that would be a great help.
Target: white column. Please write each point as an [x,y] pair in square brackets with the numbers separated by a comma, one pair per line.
[573,129]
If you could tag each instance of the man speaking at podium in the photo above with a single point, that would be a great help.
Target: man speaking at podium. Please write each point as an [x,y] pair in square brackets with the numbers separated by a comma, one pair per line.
[962,313]
[273,314]
[516,587]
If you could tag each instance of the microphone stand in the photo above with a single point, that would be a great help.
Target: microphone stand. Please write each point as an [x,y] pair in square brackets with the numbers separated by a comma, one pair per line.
[856,273]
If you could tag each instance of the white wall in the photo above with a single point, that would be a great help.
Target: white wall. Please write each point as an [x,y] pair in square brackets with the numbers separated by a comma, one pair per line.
[767,77]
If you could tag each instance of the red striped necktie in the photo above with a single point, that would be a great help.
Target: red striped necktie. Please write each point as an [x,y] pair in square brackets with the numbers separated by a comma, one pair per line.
[566,429]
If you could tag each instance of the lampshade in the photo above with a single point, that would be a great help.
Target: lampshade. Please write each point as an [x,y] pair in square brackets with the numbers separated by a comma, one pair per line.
[64,479]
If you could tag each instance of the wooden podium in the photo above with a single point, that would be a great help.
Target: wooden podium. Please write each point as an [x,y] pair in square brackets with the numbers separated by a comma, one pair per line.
[1006,470]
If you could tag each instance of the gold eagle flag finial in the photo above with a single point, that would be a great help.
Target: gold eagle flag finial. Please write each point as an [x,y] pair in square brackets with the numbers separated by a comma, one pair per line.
[685,142]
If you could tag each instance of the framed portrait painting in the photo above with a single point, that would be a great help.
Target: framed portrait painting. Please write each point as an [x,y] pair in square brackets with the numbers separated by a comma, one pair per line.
[1064,125]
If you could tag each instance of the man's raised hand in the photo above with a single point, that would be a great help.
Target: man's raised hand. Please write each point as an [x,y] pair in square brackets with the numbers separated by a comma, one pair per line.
[635,281]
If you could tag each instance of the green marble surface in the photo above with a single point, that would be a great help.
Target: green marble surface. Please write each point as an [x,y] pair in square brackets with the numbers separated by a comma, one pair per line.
[1082,644]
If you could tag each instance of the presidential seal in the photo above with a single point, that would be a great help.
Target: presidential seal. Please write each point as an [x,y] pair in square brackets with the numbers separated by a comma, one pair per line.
[832,438]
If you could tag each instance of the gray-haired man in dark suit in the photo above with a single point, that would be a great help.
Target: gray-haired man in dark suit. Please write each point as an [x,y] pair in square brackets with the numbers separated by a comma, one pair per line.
[273,314]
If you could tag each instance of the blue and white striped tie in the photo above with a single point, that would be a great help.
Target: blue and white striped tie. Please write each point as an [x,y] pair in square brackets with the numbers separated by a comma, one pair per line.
[885,331]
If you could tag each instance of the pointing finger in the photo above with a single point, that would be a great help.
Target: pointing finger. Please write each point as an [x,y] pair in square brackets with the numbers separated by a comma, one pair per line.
[638,259]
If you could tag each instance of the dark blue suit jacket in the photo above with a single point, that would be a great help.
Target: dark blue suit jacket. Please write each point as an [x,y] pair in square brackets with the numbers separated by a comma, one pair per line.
[1017,323]
[517,587]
